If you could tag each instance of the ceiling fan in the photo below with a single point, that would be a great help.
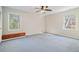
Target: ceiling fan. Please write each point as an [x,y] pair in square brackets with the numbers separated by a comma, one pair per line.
[43,9]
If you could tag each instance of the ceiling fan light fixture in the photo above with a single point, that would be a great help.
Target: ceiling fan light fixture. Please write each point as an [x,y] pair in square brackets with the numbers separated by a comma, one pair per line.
[43,11]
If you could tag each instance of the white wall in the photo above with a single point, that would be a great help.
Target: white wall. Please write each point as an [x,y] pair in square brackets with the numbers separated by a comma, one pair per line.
[0,23]
[55,23]
[30,23]
[33,24]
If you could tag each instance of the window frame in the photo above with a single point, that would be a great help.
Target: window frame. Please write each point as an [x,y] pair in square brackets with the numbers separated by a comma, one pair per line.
[9,21]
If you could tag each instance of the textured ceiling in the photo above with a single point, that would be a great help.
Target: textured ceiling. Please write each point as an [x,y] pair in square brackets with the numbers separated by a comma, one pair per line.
[32,9]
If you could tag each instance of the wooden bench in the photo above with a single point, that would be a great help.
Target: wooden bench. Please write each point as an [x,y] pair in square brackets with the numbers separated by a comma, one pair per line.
[13,35]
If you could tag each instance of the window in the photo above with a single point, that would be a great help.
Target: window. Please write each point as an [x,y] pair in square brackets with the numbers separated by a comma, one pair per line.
[70,22]
[14,22]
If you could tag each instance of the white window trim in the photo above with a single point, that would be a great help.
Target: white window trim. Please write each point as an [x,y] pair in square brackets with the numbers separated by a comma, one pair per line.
[9,18]
[71,28]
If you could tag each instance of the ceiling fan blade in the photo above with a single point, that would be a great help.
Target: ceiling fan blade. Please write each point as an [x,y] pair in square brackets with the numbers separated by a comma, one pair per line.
[48,10]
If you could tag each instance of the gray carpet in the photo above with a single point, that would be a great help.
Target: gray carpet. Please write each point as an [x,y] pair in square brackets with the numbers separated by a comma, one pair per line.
[41,43]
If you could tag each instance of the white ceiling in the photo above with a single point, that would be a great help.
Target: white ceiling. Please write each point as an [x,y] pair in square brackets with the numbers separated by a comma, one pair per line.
[32,9]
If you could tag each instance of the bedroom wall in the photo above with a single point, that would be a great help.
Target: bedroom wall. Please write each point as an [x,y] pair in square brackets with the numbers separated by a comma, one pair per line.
[33,24]
[55,23]
[30,23]
[0,23]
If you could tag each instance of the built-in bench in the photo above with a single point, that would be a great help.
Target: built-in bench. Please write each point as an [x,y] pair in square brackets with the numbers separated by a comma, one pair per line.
[13,35]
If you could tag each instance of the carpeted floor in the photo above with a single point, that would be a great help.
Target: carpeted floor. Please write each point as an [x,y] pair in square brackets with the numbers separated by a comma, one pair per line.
[41,43]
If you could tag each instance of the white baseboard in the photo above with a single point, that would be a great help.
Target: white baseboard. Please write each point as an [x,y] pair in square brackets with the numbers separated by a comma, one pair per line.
[0,41]
[63,35]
